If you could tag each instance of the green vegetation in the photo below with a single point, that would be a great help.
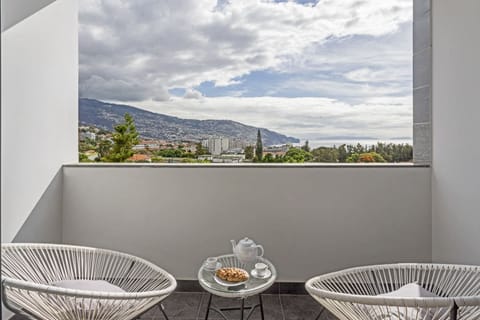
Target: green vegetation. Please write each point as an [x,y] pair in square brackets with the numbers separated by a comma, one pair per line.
[86,145]
[293,155]
[83,157]
[259,147]
[366,157]
[297,155]
[103,148]
[124,138]
[119,147]
[249,152]
[175,153]
[380,152]
[201,150]
[325,154]
[306,147]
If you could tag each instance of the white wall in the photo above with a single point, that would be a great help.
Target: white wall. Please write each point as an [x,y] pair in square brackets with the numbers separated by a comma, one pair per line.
[44,224]
[14,11]
[456,118]
[39,106]
[310,220]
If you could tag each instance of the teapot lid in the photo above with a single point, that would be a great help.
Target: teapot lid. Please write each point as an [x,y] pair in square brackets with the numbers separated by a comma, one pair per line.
[245,242]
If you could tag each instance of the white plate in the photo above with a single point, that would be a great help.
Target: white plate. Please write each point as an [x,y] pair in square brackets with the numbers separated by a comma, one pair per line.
[219,265]
[228,283]
[267,274]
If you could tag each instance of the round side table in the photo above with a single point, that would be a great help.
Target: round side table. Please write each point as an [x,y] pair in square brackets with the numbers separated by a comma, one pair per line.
[252,287]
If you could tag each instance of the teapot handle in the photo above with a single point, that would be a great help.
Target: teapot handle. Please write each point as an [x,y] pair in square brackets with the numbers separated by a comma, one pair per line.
[261,248]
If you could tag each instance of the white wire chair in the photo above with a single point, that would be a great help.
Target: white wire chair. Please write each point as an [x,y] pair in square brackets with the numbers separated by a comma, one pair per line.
[29,272]
[363,293]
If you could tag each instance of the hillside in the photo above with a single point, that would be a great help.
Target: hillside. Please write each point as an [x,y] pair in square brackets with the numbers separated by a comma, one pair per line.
[160,126]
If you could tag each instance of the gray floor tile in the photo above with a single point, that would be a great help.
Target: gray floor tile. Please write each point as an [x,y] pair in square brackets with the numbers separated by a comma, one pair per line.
[181,306]
[220,302]
[192,306]
[151,314]
[271,303]
[300,307]
[272,307]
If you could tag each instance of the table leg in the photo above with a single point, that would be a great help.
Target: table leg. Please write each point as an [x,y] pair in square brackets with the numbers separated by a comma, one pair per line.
[208,306]
[261,306]
[241,309]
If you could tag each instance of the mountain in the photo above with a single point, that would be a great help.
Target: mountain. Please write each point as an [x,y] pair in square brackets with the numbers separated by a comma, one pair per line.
[159,126]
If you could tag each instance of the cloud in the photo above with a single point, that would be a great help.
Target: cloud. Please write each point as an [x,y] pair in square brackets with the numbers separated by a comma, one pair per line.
[192,94]
[372,75]
[183,43]
[310,70]
[306,118]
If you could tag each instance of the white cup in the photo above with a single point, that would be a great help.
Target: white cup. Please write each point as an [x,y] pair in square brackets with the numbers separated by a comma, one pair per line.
[211,262]
[261,269]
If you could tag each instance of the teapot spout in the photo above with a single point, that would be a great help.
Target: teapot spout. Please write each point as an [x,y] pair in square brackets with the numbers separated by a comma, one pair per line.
[234,244]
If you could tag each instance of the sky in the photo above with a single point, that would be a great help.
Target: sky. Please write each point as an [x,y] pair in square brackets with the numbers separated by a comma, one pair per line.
[317,70]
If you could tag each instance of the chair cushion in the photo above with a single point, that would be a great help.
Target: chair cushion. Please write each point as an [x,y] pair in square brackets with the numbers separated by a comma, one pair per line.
[411,290]
[88,285]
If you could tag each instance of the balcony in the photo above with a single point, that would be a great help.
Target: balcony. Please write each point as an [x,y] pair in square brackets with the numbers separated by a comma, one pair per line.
[310,219]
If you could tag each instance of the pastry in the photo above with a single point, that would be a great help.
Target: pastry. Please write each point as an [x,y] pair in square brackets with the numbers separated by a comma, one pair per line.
[232,274]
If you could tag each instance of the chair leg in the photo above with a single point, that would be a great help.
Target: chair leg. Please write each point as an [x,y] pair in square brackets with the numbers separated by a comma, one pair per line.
[162,309]
[320,314]
[454,312]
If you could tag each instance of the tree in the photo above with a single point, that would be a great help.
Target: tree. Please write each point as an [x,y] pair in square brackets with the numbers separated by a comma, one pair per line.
[170,153]
[124,138]
[157,159]
[353,158]
[249,152]
[366,157]
[342,153]
[297,155]
[259,147]
[268,158]
[200,150]
[103,149]
[325,154]
[306,147]
[83,157]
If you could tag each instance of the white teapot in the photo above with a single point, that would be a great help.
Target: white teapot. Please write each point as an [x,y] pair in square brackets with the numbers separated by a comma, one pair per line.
[246,250]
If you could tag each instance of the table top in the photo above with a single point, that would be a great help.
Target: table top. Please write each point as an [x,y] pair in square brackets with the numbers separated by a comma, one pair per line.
[252,287]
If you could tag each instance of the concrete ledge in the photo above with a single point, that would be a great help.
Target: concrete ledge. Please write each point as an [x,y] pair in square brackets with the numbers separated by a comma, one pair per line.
[246,165]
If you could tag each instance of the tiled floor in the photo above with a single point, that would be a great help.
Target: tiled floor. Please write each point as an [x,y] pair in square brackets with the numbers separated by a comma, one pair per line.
[192,306]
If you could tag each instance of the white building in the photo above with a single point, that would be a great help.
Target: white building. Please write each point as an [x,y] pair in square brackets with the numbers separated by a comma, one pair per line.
[229,158]
[237,144]
[216,146]
[87,135]
[152,145]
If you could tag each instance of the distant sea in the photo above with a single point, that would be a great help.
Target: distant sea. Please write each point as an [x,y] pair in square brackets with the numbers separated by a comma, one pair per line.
[363,142]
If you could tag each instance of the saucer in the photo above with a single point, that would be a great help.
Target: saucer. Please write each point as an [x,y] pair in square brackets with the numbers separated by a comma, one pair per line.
[267,274]
[218,266]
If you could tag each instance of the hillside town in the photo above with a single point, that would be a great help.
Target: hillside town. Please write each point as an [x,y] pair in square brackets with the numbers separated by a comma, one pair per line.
[126,145]
[211,150]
